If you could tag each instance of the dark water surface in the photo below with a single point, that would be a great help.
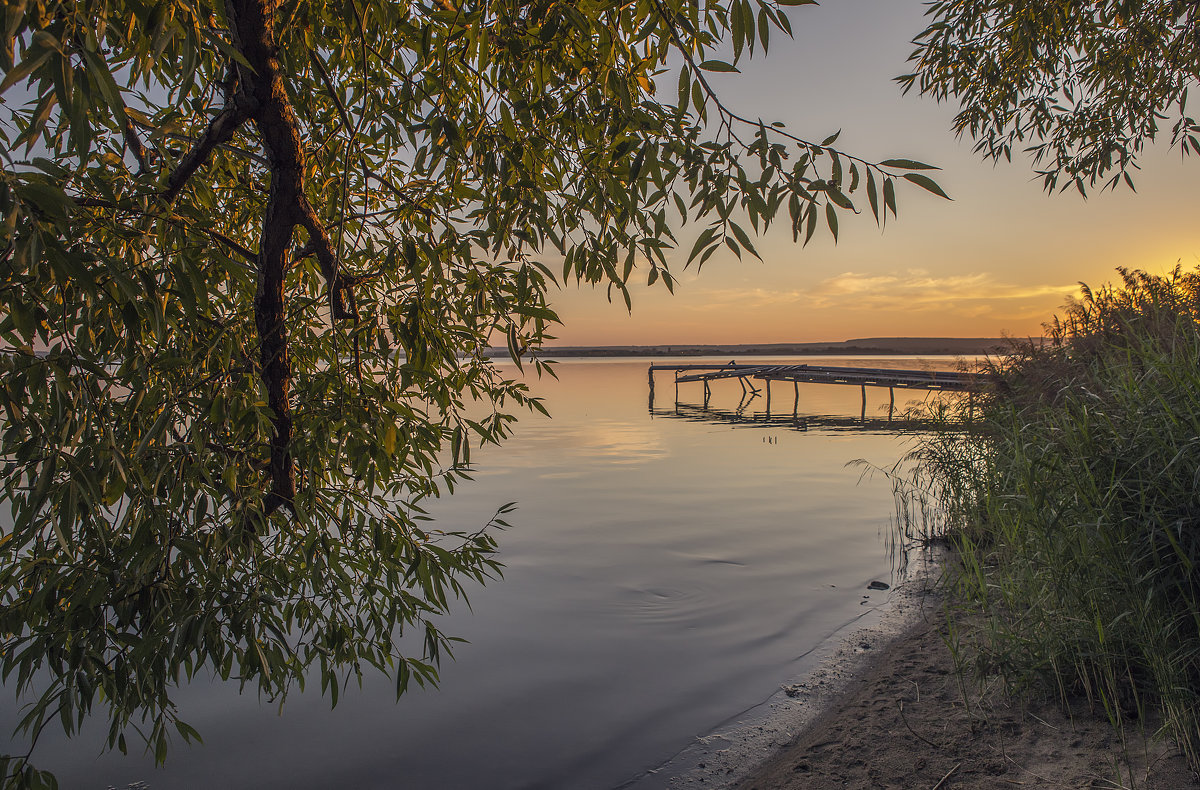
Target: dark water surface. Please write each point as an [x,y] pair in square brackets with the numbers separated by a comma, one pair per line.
[661,576]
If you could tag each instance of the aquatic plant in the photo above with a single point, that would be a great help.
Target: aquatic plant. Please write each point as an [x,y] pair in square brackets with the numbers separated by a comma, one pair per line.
[1075,506]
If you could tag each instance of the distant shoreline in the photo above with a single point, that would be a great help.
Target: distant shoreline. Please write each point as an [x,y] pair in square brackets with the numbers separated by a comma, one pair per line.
[873,346]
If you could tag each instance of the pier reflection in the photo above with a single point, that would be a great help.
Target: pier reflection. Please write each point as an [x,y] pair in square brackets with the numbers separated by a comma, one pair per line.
[754,410]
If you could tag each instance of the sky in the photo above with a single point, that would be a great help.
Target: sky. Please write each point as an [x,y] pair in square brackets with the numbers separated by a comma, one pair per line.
[999,259]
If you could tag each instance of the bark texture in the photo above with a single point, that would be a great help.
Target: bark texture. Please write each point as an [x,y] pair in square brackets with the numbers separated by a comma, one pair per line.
[262,92]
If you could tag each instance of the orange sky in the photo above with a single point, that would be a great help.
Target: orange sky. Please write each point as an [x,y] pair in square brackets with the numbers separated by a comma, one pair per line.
[1000,259]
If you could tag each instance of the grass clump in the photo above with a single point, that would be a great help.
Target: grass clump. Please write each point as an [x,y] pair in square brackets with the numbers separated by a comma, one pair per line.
[1076,505]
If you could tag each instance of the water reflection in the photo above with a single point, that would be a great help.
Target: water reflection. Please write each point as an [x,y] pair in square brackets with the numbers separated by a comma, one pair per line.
[661,575]
[945,386]
[743,415]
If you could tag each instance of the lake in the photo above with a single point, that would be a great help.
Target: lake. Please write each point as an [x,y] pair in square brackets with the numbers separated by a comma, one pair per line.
[664,571]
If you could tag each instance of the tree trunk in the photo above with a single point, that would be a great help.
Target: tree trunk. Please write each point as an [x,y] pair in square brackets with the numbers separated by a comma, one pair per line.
[253,24]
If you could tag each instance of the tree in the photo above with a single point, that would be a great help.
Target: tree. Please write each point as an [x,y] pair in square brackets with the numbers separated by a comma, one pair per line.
[1085,85]
[253,256]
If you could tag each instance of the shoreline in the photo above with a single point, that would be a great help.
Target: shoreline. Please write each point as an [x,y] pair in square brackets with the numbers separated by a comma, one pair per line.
[735,748]
[880,704]
[870,346]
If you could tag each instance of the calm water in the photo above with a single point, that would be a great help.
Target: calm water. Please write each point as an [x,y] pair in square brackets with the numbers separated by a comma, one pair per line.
[662,574]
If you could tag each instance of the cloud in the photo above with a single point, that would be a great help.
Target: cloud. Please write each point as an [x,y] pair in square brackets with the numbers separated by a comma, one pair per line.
[909,291]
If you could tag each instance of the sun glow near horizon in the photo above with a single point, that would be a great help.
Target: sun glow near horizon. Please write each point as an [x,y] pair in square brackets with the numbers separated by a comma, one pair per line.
[1001,258]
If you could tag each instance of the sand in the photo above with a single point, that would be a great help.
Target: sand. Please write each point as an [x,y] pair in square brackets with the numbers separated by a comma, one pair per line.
[907,719]
[881,705]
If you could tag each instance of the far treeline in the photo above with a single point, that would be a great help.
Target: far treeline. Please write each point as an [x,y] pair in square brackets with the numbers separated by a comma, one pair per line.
[884,346]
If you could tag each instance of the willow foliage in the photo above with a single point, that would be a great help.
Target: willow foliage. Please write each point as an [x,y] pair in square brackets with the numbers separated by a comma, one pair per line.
[253,253]
[1081,86]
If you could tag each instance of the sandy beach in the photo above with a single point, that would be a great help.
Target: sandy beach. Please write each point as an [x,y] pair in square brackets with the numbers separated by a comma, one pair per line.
[884,708]
[909,720]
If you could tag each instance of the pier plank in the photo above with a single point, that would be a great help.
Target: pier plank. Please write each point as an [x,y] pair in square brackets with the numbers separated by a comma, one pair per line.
[952,380]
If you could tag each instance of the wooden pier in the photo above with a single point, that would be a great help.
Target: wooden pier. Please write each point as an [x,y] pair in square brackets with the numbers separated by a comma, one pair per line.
[941,380]
[745,417]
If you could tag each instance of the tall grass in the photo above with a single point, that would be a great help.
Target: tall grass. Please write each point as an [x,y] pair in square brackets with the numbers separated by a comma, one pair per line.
[1076,506]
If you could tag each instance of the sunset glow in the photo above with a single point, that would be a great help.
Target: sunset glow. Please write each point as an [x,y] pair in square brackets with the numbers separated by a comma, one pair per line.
[1000,259]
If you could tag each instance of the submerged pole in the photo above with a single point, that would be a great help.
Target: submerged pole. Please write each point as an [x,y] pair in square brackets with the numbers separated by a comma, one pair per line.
[864,402]
[891,401]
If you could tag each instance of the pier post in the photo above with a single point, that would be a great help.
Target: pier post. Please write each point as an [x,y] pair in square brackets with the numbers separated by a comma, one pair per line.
[797,374]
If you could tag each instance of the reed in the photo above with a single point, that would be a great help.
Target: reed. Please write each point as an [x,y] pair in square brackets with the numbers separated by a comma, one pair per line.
[1075,506]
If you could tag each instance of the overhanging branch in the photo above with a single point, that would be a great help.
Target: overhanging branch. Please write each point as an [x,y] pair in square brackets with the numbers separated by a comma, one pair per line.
[220,130]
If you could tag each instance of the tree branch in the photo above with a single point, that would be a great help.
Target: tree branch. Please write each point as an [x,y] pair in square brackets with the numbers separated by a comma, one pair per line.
[264,95]
[193,139]
[252,23]
[322,247]
[248,254]
[135,145]
[235,113]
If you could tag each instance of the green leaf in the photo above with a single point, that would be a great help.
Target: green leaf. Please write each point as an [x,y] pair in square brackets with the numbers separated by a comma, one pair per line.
[23,317]
[925,182]
[718,65]
[744,239]
[786,25]
[33,59]
[832,220]
[702,241]
[49,199]
[533,311]
[889,196]
[107,84]
[872,194]
[837,197]
[907,164]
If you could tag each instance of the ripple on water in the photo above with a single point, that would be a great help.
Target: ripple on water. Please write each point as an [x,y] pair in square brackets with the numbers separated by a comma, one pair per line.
[677,607]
